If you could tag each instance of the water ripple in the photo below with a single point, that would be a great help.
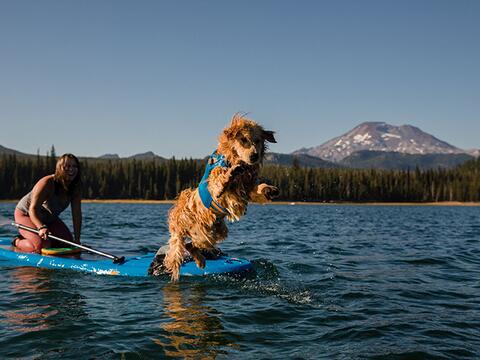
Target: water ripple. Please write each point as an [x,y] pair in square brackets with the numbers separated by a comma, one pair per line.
[331,282]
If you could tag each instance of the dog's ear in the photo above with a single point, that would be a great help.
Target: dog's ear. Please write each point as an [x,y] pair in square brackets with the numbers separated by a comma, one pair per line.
[268,136]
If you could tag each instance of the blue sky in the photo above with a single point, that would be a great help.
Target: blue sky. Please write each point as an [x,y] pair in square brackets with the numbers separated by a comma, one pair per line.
[95,77]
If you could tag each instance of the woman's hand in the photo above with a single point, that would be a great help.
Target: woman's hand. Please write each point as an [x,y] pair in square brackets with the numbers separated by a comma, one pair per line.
[43,233]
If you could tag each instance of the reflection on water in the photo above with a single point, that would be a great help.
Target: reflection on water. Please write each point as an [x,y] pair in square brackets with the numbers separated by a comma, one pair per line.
[51,305]
[32,317]
[28,319]
[28,280]
[195,329]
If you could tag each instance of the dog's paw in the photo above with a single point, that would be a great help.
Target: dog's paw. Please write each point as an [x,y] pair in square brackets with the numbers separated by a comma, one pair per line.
[174,272]
[238,170]
[173,267]
[269,191]
[199,260]
[175,276]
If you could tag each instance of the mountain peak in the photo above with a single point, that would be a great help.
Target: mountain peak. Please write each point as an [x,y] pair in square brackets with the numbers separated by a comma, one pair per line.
[380,136]
[149,155]
[372,124]
[109,156]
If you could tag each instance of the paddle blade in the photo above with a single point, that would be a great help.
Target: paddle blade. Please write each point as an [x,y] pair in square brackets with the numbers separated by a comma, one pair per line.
[119,260]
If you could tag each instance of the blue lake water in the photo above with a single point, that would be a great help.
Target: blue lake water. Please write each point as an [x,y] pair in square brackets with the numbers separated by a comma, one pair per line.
[333,282]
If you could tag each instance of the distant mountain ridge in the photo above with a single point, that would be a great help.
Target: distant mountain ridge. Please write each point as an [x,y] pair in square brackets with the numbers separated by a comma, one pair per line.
[366,159]
[380,136]
[473,152]
[149,155]
[109,156]
[300,160]
[7,151]
[368,145]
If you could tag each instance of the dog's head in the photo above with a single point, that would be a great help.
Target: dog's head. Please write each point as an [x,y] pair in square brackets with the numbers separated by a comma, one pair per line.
[244,141]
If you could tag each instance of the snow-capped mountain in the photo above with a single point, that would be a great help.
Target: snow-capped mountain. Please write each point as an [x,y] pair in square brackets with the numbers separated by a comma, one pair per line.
[473,152]
[380,136]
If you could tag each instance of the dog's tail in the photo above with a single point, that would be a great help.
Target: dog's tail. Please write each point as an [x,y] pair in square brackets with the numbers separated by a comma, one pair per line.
[174,257]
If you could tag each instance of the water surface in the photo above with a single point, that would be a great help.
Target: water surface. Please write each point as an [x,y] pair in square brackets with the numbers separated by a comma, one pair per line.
[333,282]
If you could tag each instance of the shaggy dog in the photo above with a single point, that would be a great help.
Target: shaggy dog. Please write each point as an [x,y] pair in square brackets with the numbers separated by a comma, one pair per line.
[229,183]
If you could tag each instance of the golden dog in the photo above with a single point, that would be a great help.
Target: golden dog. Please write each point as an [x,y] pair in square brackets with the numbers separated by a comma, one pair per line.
[229,183]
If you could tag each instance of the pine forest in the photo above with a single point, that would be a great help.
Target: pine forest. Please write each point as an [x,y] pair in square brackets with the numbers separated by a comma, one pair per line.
[164,179]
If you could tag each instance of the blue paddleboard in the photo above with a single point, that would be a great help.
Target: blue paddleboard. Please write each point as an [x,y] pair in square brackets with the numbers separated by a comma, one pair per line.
[133,266]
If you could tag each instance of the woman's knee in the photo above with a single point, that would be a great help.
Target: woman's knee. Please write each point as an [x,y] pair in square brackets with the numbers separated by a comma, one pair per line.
[29,245]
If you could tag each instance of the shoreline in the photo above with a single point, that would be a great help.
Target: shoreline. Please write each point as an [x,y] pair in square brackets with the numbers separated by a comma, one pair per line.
[302,203]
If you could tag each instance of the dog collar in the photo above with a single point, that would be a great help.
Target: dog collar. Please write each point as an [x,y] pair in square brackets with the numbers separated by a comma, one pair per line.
[215,160]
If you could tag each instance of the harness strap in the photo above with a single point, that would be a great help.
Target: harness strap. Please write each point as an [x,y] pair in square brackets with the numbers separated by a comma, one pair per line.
[215,160]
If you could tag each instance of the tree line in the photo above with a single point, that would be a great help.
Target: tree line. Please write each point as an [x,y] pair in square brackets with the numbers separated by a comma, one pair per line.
[164,179]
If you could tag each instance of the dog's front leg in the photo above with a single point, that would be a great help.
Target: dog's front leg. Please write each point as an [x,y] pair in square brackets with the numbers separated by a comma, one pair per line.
[220,178]
[263,193]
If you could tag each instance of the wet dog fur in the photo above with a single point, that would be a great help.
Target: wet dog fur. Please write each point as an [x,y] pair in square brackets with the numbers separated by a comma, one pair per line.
[243,144]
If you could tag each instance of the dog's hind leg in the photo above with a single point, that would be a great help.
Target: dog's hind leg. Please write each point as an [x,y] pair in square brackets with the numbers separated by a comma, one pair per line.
[196,255]
[174,257]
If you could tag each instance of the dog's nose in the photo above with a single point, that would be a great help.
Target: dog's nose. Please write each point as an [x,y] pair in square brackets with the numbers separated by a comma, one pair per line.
[254,157]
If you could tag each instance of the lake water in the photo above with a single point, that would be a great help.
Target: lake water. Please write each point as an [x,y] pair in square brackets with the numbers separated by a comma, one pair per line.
[333,282]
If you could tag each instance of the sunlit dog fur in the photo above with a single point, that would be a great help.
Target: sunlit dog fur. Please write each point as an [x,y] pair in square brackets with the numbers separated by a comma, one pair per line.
[243,144]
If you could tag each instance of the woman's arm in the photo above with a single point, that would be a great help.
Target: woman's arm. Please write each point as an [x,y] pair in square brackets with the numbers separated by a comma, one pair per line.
[77,216]
[40,193]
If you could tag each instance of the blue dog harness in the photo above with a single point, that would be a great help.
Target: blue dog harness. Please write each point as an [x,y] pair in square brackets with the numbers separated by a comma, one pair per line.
[215,160]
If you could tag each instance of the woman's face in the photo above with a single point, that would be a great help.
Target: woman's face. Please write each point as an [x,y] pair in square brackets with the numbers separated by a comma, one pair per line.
[70,169]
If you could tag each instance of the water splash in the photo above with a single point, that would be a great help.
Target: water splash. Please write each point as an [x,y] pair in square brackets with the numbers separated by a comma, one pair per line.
[266,281]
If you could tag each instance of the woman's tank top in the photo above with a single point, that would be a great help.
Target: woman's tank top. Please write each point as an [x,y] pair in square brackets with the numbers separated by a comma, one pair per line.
[50,209]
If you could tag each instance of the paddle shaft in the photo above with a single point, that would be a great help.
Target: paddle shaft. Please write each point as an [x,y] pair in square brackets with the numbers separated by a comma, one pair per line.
[116,259]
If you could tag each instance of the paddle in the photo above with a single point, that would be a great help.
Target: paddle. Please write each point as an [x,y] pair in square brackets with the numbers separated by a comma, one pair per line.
[116,259]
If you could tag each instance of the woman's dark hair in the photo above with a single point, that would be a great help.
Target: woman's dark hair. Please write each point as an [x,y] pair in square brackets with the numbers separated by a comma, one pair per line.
[60,178]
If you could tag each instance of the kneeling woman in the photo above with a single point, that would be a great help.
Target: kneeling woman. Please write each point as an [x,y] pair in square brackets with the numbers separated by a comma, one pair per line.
[41,207]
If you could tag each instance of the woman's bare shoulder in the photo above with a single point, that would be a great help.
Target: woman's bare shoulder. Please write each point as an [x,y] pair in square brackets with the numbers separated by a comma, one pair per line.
[45,183]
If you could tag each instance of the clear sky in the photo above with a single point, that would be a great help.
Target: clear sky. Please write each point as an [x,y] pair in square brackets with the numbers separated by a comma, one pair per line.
[95,77]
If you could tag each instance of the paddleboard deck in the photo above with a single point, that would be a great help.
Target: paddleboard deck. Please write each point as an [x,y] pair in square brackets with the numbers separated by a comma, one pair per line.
[133,266]
[61,251]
